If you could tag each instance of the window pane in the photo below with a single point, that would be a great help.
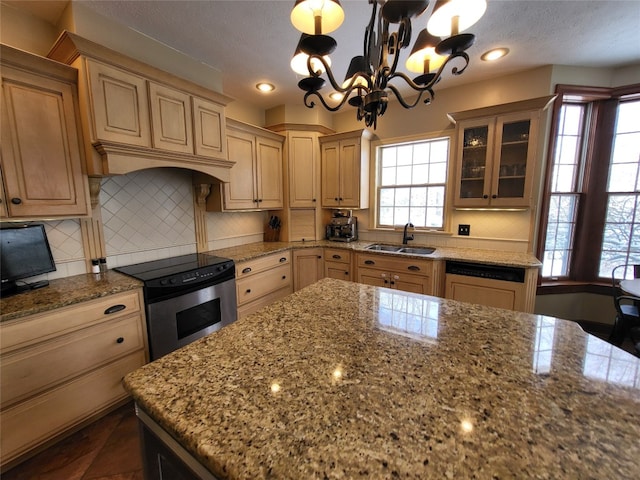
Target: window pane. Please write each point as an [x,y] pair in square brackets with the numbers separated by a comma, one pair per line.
[412,183]
[628,115]
[622,177]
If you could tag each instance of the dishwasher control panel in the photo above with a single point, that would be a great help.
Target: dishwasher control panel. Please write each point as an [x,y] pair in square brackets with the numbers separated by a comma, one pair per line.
[494,272]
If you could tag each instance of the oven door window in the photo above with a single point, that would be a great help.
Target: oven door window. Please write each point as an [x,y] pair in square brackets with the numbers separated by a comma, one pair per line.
[197,318]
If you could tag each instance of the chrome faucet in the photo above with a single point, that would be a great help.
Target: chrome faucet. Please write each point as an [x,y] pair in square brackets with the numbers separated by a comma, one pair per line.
[405,237]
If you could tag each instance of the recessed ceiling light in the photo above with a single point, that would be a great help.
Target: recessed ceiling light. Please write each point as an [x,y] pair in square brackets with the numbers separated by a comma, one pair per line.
[265,87]
[494,54]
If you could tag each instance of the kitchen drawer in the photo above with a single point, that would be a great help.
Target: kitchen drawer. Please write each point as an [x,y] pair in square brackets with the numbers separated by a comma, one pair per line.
[33,422]
[337,255]
[258,285]
[36,368]
[261,264]
[395,263]
[268,299]
[36,328]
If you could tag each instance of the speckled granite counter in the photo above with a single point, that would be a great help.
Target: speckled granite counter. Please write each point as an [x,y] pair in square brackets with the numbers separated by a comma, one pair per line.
[65,291]
[343,380]
[492,257]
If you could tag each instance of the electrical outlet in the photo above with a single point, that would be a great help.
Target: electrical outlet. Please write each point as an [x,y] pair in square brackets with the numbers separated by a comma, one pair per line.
[464,229]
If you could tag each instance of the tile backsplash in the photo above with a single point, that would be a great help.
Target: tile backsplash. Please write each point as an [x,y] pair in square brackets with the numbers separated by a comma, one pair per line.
[148,215]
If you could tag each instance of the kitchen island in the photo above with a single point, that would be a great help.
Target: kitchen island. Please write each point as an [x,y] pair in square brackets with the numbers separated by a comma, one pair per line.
[344,380]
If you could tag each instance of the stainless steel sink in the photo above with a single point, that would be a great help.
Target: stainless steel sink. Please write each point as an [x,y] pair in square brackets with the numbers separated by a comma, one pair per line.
[379,247]
[383,248]
[417,250]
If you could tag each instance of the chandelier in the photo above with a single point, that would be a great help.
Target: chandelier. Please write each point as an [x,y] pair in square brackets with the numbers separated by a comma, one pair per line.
[369,77]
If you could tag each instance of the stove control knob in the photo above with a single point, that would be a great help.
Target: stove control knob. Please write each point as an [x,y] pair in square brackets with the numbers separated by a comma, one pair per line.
[163,282]
[173,281]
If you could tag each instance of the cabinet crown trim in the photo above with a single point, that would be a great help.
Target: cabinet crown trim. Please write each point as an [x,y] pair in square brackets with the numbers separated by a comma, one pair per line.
[539,103]
[70,46]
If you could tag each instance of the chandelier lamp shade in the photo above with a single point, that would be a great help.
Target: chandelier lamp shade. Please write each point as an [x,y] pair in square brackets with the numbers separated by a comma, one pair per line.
[372,76]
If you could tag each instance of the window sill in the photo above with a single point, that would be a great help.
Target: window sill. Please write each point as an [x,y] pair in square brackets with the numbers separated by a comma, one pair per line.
[571,286]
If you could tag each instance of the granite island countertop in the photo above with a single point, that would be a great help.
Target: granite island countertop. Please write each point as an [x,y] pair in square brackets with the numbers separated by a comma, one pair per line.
[343,380]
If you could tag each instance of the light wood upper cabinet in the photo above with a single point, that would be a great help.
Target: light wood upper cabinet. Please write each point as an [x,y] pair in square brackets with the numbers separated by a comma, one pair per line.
[304,169]
[497,150]
[255,181]
[120,105]
[171,119]
[42,160]
[209,126]
[345,169]
[135,116]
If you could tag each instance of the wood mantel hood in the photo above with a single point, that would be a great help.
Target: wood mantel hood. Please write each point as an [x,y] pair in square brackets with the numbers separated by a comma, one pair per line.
[136,142]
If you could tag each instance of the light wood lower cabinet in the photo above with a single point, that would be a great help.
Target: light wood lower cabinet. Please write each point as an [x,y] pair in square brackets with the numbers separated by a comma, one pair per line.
[61,368]
[262,281]
[411,275]
[513,295]
[308,267]
[337,264]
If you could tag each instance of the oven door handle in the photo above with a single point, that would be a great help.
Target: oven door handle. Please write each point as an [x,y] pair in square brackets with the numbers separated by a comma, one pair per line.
[114,309]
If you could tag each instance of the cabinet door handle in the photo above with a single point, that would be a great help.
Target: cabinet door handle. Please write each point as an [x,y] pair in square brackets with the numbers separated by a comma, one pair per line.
[114,309]
[485,196]
[494,196]
[283,259]
[413,268]
[313,200]
[259,200]
[120,340]
[341,198]
[336,199]
[369,262]
[248,290]
[246,270]
[284,277]
[338,257]
[346,273]
[16,201]
[319,257]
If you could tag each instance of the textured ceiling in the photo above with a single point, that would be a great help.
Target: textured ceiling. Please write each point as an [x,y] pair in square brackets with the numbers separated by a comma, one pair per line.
[250,41]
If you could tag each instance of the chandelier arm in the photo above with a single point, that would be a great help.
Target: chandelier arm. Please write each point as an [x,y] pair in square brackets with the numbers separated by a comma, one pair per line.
[369,31]
[401,99]
[336,86]
[310,103]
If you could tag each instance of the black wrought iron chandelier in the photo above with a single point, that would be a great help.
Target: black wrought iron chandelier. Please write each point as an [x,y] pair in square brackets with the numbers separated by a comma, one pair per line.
[369,77]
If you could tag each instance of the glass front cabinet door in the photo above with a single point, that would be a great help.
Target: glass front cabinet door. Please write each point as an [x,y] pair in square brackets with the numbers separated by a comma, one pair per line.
[496,154]
[495,159]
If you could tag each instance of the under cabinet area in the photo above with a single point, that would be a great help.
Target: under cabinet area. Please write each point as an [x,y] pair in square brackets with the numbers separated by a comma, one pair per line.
[255,181]
[408,274]
[42,157]
[262,281]
[65,367]
[497,148]
[345,169]
[337,264]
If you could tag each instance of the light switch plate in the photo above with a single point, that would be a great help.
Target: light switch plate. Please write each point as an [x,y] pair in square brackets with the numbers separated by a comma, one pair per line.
[464,229]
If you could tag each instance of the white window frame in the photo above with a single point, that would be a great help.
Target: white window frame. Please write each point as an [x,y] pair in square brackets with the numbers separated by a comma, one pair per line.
[376,177]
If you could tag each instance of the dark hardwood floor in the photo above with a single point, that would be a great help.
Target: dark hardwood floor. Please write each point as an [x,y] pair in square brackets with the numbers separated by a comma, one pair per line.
[108,449]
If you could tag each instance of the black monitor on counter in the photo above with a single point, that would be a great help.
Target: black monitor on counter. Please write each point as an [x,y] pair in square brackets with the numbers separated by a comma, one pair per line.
[24,253]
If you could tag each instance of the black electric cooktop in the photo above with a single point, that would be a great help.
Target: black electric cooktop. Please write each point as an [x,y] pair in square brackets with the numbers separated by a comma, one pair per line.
[173,266]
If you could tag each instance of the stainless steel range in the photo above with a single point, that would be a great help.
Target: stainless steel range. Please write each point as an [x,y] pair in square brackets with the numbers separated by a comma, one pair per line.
[186,297]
